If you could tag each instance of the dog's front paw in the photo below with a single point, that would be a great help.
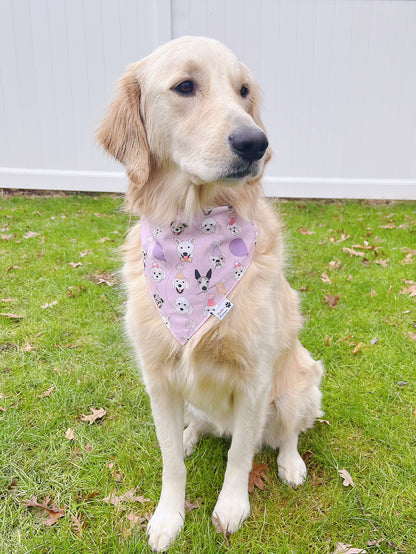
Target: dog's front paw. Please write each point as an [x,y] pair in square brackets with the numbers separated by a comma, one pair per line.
[292,470]
[163,528]
[230,512]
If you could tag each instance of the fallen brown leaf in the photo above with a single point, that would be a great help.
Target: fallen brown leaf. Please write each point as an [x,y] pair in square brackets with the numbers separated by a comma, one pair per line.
[13,317]
[411,288]
[352,252]
[306,231]
[74,265]
[412,335]
[70,434]
[28,348]
[358,348]
[49,305]
[30,234]
[53,511]
[78,525]
[96,414]
[47,392]
[256,477]
[408,259]
[347,479]
[335,264]
[192,505]
[325,278]
[341,548]
[104,278]
[331,300]
[129,496]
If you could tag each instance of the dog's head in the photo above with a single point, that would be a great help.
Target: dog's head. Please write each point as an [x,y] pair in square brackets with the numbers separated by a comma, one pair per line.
[191,109]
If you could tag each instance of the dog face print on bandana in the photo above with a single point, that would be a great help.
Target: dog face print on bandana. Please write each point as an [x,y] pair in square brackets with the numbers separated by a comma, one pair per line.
[191,266]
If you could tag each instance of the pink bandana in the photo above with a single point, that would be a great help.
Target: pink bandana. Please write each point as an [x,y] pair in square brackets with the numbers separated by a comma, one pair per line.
[191,267]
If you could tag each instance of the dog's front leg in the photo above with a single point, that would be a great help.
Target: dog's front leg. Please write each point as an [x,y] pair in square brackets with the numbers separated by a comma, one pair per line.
[233,505]
[167,411]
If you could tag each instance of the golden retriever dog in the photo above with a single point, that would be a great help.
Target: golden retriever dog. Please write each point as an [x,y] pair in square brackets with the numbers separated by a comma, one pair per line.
[186,124]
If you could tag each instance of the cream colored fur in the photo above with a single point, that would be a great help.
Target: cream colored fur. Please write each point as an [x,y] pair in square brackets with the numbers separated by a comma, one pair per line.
[247,377]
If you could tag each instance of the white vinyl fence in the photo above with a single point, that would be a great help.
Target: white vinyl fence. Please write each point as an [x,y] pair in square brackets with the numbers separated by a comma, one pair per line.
[338,80]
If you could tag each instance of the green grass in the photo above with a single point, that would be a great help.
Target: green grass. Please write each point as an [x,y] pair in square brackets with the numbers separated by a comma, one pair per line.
[76,343]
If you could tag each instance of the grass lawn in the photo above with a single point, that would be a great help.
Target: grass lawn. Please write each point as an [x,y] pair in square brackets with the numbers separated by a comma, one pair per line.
[63,353]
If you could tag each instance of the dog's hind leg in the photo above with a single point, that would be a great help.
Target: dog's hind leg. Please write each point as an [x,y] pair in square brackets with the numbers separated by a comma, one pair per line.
[296,403]
[191,436]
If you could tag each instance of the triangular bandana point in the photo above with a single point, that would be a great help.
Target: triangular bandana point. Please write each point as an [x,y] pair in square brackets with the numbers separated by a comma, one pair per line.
[191,267]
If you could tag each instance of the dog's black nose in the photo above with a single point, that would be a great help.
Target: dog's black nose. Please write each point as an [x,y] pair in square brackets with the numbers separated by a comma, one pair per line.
[249,143]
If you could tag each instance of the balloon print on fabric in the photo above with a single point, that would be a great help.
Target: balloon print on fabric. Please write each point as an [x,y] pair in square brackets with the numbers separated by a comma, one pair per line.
[158,252]
[238,248]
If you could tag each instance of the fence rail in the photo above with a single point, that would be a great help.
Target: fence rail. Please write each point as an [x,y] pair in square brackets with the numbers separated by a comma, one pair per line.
[338,80]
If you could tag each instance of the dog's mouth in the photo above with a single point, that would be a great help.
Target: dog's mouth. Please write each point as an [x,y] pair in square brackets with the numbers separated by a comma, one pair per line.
[241,171]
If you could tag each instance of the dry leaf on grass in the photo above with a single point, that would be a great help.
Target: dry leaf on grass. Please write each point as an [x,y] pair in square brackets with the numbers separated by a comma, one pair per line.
[30,234]
[53,511]
[47,392]
[13,317]
[331,300]
[408,259]
[129,496]
[335,264]
[96,414]
[358,348]
[28,347]
[74,265]
[347,479]
[352,252]
[306,231]
[77,525]
[192,505]
[70,434]
[341,548]
[218,527]
[325,278]
[411,288]
[257,476]
[49,305]
[104,278]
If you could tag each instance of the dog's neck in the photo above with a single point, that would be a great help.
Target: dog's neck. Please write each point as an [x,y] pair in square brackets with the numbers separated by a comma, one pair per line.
[167,193]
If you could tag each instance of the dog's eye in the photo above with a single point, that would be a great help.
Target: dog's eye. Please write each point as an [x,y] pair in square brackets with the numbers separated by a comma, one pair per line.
[186,88]
[244,91]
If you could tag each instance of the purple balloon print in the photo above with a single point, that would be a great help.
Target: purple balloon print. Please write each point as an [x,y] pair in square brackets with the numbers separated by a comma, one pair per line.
[158,252]
[238,248]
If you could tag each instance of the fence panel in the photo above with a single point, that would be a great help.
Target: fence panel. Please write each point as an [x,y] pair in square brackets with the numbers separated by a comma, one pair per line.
[338,80]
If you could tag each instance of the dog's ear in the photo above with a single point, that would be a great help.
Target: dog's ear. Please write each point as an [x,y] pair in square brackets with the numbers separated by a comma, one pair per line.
[122,132]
